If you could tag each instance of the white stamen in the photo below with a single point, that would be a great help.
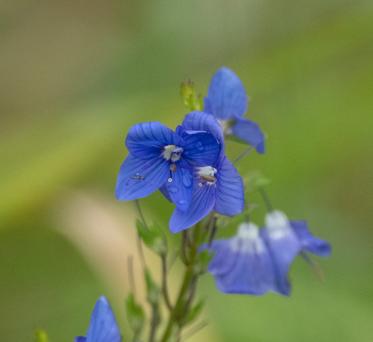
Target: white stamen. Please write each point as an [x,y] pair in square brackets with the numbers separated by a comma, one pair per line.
[226,125]
[278,224]
[206,171]
[172,152]
[206,175]
[248,239]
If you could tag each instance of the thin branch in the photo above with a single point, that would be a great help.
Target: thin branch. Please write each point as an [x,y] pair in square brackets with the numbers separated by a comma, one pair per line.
[139,243]
[193,287]
[141,251]
[184,246]
[141,214]
[266,199]
[192,331]
[155,321]
[131,276]
[165,292]
[315,267]
[213,230]
[245,153]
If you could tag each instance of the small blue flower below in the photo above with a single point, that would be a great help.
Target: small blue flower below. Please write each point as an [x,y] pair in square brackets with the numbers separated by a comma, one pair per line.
[258,261]
[243,264]
[103,326]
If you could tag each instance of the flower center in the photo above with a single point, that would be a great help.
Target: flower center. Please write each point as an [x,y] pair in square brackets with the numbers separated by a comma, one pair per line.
[206,175]
[226,125]
[278,225]
[172,153]
[248,239]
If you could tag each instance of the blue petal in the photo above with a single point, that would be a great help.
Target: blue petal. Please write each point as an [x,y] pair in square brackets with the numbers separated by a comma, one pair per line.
[283,248]
[203,201]
[200,148]
[164,192]
[146,140]
[249,132]
[250,273]
[308,241]
[139,178]
[80,339]
[226,96]
[223,259]
[199,121]
[230,191]
[103,326]
[179,191]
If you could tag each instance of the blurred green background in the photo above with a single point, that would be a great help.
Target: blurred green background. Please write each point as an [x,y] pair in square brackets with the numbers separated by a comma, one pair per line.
[76,74]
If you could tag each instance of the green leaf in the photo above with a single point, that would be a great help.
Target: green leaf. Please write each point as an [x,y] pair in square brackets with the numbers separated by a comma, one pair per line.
[192,100]
[152,237]
[41,336]
[152,289]
[135,314]
[194,312]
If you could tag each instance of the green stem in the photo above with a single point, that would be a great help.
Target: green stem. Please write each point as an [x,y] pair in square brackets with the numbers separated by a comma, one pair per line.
[156,319]
[178,312]
[166,296]
[266,199]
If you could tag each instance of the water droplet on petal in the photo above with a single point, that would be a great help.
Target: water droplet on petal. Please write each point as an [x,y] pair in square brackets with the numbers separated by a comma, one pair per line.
[187,180]
[182,202]
[169,180]
[173,189]
[137,176]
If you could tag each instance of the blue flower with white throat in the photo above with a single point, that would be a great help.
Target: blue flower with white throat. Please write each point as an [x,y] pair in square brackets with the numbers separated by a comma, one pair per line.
[243,264]
[159,157]
[285,240]
[103,326]
[228,102]
[216,186]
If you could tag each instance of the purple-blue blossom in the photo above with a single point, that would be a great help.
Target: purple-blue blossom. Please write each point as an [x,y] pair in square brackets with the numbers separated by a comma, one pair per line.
[216,186]
[258,261]
[228,102]
[159,157]
[286,239]
[243,264]
[103,326]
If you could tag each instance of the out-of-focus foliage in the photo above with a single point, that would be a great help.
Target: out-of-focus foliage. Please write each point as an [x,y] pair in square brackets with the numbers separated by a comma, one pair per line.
[75,76]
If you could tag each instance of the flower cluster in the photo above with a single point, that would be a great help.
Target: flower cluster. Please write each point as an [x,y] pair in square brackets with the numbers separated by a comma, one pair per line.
[190,168]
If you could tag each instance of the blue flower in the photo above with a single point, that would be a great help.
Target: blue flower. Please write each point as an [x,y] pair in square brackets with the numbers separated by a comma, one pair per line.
[258,261]
[243,264]
[160,157]
[227,101]
[103,326]
[285,240]
[216,186]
